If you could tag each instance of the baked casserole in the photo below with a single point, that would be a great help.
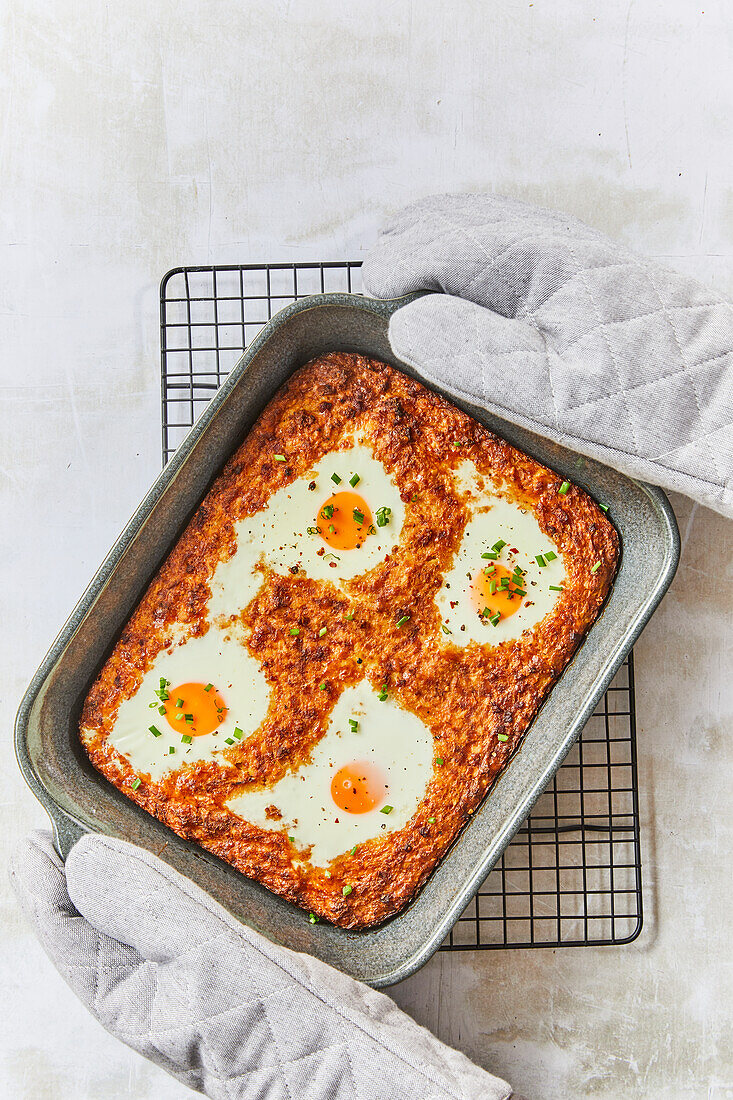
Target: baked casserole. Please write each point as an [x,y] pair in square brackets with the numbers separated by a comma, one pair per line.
[349,640]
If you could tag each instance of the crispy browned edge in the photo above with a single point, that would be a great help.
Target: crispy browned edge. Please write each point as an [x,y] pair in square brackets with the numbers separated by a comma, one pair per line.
[465,695]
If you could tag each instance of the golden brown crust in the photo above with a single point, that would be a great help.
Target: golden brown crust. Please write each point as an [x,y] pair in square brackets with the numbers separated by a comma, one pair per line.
[466,696]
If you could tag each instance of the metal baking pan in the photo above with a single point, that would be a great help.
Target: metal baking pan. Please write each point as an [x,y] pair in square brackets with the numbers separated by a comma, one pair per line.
[79,799]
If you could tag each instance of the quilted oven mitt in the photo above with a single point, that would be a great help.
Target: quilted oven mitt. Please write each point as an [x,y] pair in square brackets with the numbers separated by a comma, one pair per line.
[551,325]
[169,972]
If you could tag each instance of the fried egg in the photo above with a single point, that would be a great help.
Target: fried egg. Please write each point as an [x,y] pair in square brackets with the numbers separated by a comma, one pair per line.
[507,574]
[193,704]
[337,522]
[365,779]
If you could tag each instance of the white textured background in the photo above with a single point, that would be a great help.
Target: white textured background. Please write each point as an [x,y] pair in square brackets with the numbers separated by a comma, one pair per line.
[136,136]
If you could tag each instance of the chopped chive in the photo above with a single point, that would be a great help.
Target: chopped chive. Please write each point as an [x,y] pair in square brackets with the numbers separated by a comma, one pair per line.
[445,629]
[504,582]
[353,725]
[603,507]
[327,874]
[386,809]
[171,750]
[550,555]
[358,517]
[490,555]
[540,561]
[162,710]
[519,592]
[404,619]
[322,687]
[499,545]
[294,630]
[383,515]
[228,740]
[335,479]
[136,783]
[313,918]
[162,694]
[555,588]
[492,587]
[347,890]
[431,821]
[349,616]
[313,530]
[239,734]
[327,511]
[279,458]
[179,718]
[382,693]
[152,706]
[596,567]
[494,620]
[354,480]
[155,731]
[186,739]
[179,703]
[208,687]
[189,719]
[322,631]
[502,736]
[564,488]
[439,761]
[291,839]
[352,850]
[486,555]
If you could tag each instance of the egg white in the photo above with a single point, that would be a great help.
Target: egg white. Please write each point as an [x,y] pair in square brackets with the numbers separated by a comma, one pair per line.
[494,517]
[216,657]
[392,739]
[277,536]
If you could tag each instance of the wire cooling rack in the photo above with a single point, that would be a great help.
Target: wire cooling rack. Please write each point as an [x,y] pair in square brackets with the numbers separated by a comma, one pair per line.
[572,874]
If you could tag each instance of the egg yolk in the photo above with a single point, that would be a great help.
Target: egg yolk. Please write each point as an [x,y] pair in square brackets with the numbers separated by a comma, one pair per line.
[358,787]
[500,599]
[344,520]
[195,709]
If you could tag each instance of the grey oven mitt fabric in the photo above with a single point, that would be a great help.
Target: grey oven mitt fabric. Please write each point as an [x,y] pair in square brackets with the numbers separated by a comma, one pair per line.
[553,326]
[168,971]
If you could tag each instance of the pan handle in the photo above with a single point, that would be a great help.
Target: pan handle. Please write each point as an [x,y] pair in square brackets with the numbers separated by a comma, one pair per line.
[66,831]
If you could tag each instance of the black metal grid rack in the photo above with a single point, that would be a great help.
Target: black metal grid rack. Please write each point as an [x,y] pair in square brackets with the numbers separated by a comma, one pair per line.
[572,874]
